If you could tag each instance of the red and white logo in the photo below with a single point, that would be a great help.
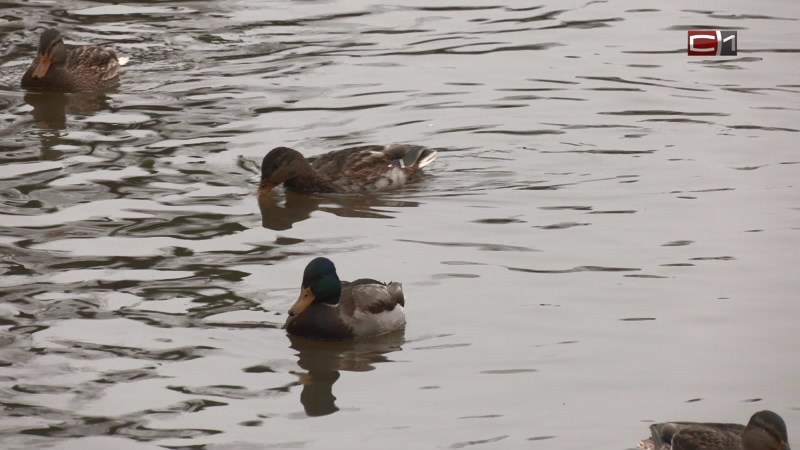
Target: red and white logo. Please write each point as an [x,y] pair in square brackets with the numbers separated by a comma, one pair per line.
[712,43]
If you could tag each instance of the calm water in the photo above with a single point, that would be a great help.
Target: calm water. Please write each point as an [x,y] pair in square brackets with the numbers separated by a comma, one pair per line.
[609,237]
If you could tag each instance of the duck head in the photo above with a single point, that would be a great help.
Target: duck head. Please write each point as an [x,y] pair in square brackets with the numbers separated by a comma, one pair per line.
[51,52]
[279,165]
[320,284]
[765,431]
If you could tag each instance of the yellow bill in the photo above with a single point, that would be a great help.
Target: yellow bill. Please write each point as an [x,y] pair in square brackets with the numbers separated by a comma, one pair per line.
[304,301]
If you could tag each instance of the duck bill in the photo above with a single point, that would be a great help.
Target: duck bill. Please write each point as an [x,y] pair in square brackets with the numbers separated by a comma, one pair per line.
[265,188]
[304,301]
[42,66]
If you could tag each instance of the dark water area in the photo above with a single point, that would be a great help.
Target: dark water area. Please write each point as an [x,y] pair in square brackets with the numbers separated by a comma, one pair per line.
[608,238]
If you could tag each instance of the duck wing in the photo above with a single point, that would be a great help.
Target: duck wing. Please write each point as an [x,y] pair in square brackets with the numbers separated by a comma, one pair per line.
[409,155]
[371,167]
[705,437]
[694,436]
[371,308]
[368,296]
[99,63]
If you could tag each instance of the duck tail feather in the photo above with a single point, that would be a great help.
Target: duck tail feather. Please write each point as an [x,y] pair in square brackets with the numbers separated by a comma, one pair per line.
[396,292]
[428,156]
[411,155]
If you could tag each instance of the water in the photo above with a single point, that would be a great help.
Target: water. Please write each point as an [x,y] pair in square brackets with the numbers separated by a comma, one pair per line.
[608,238]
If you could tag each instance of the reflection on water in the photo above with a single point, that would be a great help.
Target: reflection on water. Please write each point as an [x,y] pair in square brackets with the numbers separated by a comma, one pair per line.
[323,361]
[50,109]
[298,207]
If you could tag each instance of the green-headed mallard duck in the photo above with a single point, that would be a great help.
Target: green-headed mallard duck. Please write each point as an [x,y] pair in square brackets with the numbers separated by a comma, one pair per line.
[58,67]
[358,169]
[765,431]
[331,309]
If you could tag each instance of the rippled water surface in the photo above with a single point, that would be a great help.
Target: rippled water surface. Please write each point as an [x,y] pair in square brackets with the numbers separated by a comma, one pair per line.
[608,238]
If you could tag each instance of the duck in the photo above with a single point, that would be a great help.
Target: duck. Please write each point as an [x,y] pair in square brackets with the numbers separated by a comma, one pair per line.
[766,430]
[331,309]
[58,67]
[367,168]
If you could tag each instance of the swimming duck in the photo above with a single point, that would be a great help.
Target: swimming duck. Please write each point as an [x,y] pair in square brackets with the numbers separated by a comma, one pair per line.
[765,431]
[332,309]
[357,169]
[58,67]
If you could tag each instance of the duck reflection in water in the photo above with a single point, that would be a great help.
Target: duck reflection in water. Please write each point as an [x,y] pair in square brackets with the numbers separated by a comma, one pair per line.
[299,207]
[323,361]
[50,109]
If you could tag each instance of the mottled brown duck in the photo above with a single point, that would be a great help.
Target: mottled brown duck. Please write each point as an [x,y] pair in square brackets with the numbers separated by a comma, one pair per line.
[358,169]
[67,68]
[765,431]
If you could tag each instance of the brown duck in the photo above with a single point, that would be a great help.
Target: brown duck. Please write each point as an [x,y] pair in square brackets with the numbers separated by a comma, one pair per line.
[358,169]
[765,431]
[58,67]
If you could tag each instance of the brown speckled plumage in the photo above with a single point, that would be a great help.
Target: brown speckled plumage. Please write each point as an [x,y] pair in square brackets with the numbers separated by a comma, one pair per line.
[58,67]
[358,169]
[765,431]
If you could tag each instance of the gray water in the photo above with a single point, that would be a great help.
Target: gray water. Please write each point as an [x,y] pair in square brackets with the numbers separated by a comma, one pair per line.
[608,238]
